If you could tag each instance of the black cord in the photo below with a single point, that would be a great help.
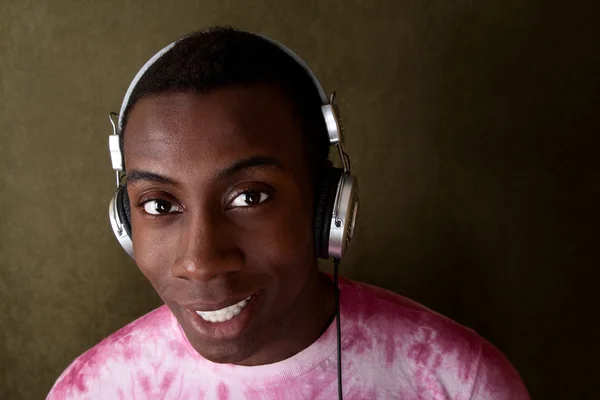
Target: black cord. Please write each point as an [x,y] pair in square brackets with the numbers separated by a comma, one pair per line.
[336,264]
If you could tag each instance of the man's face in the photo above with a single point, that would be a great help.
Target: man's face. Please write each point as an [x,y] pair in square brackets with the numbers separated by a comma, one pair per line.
[221,203]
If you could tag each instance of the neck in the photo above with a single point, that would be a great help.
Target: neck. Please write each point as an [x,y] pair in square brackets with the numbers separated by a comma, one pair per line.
[313,311]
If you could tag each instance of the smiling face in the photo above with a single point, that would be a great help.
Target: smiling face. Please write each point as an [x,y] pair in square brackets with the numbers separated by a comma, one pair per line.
[222,208]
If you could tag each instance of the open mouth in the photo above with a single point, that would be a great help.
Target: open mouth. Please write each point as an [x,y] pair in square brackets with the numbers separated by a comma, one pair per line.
[227,323]
[224,314]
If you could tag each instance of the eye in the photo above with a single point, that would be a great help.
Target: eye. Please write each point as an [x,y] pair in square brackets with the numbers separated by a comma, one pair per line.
[249,198]
[158,207]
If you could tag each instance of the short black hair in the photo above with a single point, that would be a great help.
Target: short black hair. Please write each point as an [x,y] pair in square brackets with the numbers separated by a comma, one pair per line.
[224,56]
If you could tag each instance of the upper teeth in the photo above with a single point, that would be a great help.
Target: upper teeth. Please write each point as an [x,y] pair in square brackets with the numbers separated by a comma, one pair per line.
[224,314]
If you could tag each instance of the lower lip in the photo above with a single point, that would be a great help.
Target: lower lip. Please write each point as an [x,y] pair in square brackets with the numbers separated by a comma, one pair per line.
[231,329]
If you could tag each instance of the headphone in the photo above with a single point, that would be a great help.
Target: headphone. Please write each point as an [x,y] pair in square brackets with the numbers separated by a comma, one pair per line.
[336,191]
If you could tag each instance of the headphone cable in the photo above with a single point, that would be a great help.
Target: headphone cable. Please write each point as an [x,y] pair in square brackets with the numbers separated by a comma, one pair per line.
[336,264]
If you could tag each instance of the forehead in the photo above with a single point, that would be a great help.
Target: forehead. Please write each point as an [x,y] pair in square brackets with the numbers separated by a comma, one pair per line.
[178,130]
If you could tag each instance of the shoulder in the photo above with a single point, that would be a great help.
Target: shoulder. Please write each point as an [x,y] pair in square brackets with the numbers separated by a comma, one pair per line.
[496,378]
[431,353]
[115,355]
[387,312]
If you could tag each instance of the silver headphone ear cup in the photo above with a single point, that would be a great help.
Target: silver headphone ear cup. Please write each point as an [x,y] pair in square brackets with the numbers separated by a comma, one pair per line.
[117,225]
[325,192]
[343,219]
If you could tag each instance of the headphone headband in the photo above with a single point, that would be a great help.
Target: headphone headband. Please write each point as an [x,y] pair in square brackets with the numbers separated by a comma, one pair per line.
[165,49]
[137,78]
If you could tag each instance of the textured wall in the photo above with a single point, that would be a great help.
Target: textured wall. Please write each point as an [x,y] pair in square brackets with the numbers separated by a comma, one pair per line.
[470,124]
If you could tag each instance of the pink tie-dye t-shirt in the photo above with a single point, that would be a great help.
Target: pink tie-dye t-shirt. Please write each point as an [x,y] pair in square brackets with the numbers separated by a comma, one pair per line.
[392,348]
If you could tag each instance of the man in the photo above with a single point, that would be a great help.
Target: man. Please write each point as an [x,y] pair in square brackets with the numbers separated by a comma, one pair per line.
[225,147]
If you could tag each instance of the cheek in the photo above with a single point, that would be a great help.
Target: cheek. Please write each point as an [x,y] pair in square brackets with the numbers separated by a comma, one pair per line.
[286,234]
[153,249]
[283,240]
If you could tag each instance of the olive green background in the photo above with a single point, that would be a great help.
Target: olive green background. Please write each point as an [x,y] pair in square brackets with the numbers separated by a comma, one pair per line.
[472,127]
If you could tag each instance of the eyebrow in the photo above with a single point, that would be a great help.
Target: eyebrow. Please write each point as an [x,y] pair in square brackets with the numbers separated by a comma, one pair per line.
[137,176]
[239,166]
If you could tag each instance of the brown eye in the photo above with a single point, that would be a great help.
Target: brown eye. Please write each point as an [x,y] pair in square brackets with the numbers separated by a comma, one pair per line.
[158,207]
[249,198]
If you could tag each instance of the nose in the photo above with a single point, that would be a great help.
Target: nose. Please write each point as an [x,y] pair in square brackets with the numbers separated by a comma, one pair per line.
[206,249]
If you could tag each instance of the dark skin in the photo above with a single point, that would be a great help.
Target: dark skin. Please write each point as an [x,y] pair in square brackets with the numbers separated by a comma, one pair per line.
[222,208]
